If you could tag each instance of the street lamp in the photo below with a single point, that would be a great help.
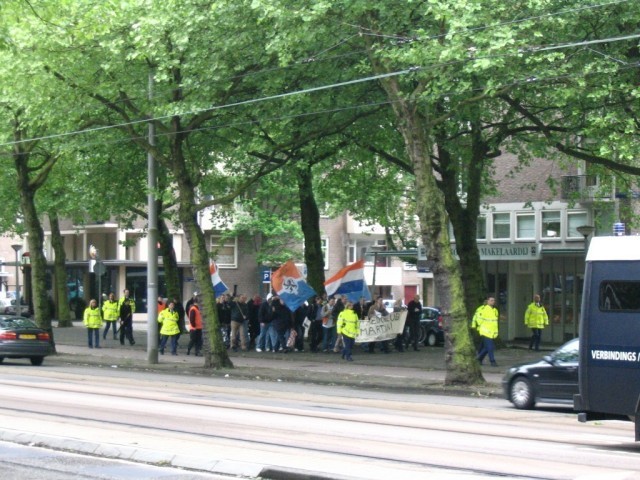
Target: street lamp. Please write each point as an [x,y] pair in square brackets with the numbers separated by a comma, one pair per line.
[17,247]
[585,231]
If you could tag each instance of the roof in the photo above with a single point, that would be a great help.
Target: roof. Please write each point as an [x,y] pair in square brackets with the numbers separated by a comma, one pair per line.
[614,248]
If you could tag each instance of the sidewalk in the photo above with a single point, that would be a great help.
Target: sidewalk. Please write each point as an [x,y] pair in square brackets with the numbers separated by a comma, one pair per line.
[422,371]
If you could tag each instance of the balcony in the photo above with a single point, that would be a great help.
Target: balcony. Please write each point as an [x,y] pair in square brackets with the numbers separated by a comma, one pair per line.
[583,188]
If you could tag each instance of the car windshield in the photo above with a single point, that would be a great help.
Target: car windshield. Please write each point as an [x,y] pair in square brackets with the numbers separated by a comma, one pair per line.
[567,353]
[16,322]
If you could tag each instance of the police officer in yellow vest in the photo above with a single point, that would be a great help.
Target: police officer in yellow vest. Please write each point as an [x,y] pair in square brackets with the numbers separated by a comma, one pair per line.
[93,322]
[536,319]
[168,318]
[349,328]
[110,314]
[486,321]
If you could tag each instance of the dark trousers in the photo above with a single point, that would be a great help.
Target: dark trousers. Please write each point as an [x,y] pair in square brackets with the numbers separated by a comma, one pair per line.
[126,331]
[315,335]
[110,323]
[348,347]
[414,332]
[195,341]
[93,336]
[488,347]
[174,343]
[536,333]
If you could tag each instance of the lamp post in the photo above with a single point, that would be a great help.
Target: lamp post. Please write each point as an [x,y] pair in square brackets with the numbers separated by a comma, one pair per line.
[585,231]
[17,247]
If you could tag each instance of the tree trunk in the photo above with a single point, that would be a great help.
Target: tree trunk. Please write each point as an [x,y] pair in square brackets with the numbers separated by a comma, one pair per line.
[310,223]
[63,314]
[462,367]
[169,262]
[36,242]
[215,352]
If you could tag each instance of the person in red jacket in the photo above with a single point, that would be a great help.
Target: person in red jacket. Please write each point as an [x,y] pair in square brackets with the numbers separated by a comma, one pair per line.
[195,329]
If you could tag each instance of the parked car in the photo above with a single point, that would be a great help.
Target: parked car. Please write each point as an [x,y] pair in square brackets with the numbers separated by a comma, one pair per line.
[553,379]
[431,323]
[21,338]
[8,307]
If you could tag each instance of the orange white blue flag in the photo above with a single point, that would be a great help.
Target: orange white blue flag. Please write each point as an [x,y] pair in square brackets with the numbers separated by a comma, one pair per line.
[350,282]
[218,285]
[290,285]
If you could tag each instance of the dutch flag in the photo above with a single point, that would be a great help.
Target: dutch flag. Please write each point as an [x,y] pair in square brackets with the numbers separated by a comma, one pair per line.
[350,282]
[218,285]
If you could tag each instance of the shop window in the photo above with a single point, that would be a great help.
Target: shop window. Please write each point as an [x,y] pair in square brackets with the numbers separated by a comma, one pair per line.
[551,226]
[501,226]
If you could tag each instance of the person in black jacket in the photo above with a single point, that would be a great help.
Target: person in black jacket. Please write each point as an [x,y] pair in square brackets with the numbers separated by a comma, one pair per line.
[265,315]
[414,311]
[280,324]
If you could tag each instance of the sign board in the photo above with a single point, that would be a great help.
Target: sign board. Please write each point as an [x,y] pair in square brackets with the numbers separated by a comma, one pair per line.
[266,275]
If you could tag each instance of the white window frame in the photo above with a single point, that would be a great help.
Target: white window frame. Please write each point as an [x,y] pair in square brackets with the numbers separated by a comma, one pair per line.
[577,235]
[482,220]
[324,245]
[544,230]
[228,243]
[520,215]
[494,223]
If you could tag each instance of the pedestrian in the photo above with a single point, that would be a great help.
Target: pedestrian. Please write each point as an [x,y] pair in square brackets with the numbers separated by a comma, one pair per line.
[126,309]
[378,310]
[486,319]
[93,322]
[315,329]
[414,312]
[299,317]
[279,325]
[536,319]
[254,323]
[191,301]
[224,317]
[161,304]
[170,329]
[195,329]
[110,315]
[265,315]
[341,302]
[349,328]
[239,318]
[328,326]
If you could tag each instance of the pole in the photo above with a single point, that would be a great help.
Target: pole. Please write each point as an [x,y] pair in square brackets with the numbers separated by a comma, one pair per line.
[152,246]
[17,247]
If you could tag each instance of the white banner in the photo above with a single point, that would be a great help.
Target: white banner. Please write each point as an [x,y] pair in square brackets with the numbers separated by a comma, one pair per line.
[381,328]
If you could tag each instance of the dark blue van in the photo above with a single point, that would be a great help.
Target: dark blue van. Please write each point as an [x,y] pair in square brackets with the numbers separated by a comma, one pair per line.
[609,371]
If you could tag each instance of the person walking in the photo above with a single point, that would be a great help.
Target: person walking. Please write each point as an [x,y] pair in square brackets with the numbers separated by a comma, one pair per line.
[239,316]
[414,312]
[110,316]
[168,319]
[265,315]
[349,328]
[126,309]
[93,321]
[195,329]
[486,319]
[536,318]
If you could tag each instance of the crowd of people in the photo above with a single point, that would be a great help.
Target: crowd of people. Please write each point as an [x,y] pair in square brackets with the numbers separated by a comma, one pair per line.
[264,325]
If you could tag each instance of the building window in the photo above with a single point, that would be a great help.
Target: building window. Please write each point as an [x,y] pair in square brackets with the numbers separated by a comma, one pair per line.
[575,220]
[224,251]
[353,253]
[325,252]
[481,230]
[525,226]
[551,227]
[501,226]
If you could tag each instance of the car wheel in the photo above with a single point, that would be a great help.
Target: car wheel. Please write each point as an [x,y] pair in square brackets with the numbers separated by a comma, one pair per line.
[521,393]
[36,360]
[432,339]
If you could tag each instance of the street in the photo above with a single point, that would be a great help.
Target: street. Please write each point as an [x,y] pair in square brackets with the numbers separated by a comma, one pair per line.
[262,429]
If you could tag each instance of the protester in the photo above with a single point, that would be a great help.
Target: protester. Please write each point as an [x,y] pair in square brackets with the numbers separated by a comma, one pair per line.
[93,322]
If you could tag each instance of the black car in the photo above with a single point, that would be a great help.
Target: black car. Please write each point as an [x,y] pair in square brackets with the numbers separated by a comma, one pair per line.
[432,333]
[21,338]
[554,379]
